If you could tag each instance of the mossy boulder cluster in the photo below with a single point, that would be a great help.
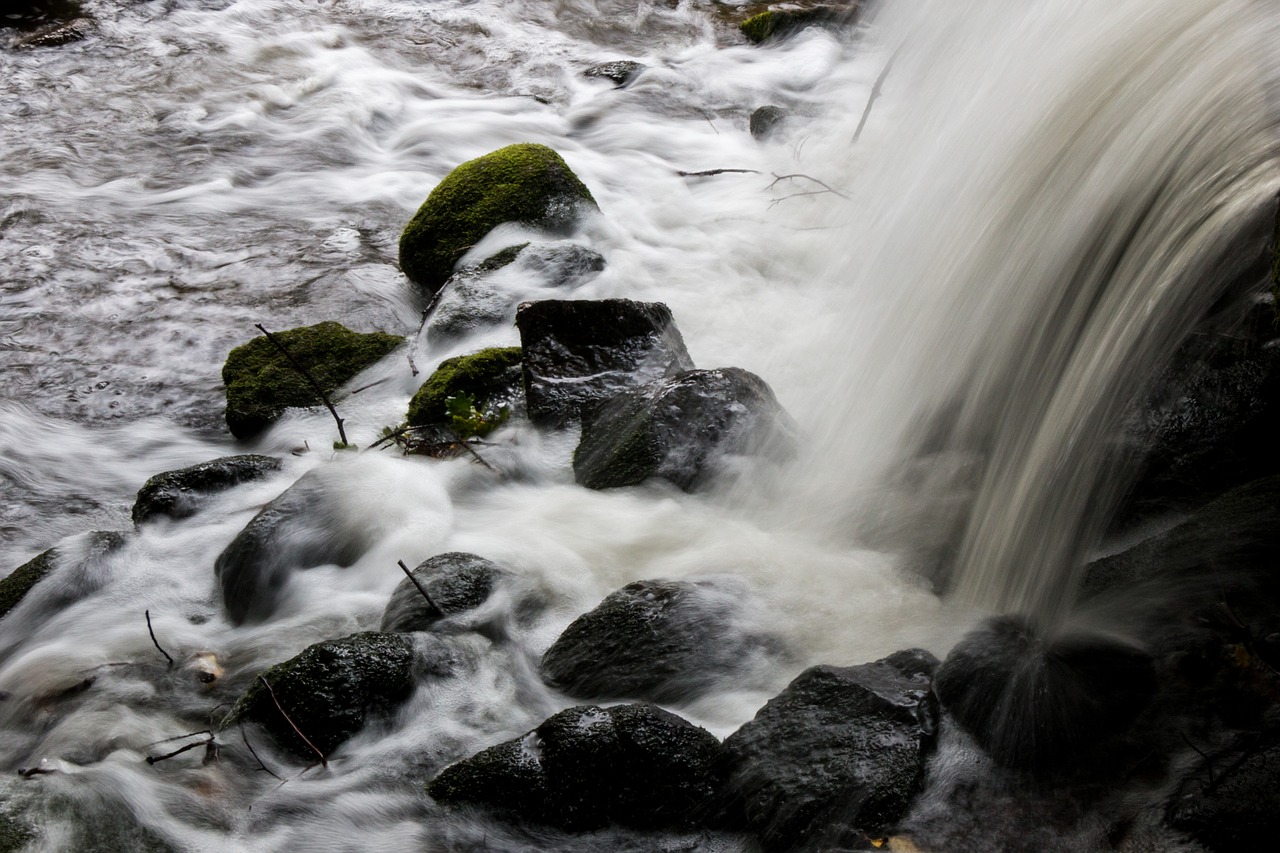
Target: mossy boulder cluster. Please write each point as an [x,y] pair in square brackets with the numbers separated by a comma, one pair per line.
[262,381]
[524,183]
[786,19]
[490,378]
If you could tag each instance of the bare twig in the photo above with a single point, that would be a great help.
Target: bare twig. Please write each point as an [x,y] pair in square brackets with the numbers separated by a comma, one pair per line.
[875,93]
[712,123]
[324,761]
[420,587]
[179,737]
[152,632]
[709,172]
[799,195]
[342,433]
[373,384]
[156,759]
[254,753]
[1208,762]
[467,447]
[823,184]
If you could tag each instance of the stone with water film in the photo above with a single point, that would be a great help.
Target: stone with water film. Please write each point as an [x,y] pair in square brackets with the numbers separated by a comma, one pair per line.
[458,585]
[681,429]
[587,767]
[836,757]
[179,494]
[578,353]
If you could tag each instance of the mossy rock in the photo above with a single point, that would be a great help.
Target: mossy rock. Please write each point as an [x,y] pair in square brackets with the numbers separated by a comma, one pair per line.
[491,377]
[329,690]
[14,834]
[178,494]
[16,586]
[778,23]
[261,383]
[525,183]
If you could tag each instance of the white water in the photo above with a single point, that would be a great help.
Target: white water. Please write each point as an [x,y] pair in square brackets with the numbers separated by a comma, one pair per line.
[192,170]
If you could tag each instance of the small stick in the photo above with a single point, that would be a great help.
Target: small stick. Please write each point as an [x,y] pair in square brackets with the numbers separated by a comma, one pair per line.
[875,93]
[306,375]
[244,737]
[799,195]
[792,177]
[709,172]
[155,759]
[152,632]
[292,725]
[467,447]
[179,737]
[420,587]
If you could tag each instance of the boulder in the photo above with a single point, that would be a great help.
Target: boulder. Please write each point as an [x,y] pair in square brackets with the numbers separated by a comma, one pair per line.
[619,72]
[1233,802]
[58,33]
[577,353]
[680,428]
[522,183]
[765,120]
[587,767]
[485,295]
[14,834]
[1044,704]
[179,494]
[329,690]
[784,20]
[663,640]
[79,559]
[262,383]
[458,585]
[489,379]
[20,581]
[837,757]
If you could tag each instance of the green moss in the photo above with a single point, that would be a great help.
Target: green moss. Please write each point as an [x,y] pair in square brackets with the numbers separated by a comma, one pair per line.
[776,23]
[525,183]
[14,835]
[329,689]
[261,383]
[490,377]
[15,587]
[759,27]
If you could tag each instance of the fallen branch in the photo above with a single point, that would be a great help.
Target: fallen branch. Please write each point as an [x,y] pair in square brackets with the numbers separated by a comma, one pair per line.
[709,172]
[254,753]
[435,607]
[207,744]
[152,632]
[823,184]
[324,761]
[875,93]
[293,362]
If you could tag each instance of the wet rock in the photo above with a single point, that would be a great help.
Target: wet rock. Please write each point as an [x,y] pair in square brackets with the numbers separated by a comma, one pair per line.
[33,14]
[329,691]
[14,834]
[837,756]
[458,584]
[619,72]
[578,353]
[16,586]
[664,640]
[179,494]
[785,20]
[490,379]
[765,120]
[588,767]
[680,428]
[523,183]
[1235,807]
[1043,703]
[58,33]
[262,383]
[480,296]
[79,557]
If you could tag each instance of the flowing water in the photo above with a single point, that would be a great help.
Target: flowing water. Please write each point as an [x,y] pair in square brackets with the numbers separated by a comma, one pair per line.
[1013,247]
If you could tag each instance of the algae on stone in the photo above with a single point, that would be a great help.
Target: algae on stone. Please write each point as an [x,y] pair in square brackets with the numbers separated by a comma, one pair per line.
[15,587]
[490,377]
[524,183]
[261,383]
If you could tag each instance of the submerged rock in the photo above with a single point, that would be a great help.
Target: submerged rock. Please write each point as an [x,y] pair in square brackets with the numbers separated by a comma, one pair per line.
[664,640]
[619,72]
[262,383]
[837,757]
[587,767]
[490,378]
[20,581]
[578,352]
[79,558]
[765,120]
[179,494]
[679,429]
[781,21]
[1040,703]
[329,690]
[457,584]
[523,183]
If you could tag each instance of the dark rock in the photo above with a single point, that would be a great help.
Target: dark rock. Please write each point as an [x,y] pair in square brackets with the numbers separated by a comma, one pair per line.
[34,14]
[179,494]
[679,429]
[523,183]
[664,640]
[577,353]
[304,527]
[78,559]
[782,21]
[490,378]
[765,120]
[329,691]
[1043,703]
[1235,807]
[14,834]
[262,383]
[837,756]
[619,72]
[19,582]
[457,583]
[58,33]
[477,297]
[588,767]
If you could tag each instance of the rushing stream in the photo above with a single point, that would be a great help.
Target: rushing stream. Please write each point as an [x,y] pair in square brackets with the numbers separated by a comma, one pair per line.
[1011,247]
